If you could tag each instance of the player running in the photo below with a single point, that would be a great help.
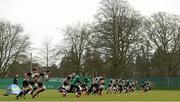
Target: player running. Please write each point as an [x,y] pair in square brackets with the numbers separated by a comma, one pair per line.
[41,79]
[94,86]
[26,86]
[146,86]
[101,86]
[66,84]
[112,85]
[76,81]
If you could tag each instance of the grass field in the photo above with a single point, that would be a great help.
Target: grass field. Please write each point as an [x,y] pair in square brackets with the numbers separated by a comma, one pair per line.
[53,95]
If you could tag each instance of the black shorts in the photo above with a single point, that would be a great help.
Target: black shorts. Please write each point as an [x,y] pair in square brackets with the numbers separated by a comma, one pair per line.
[40,84]
[143,86]
[83,85]
[130,87]
[32,83]
[96,86]
[65,83]
[25,83]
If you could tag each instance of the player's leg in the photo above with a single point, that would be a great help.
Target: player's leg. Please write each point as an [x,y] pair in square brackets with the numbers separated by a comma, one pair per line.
[24,89]
[65,90]
[21,93]
[95,89]
[35,88]
[40,88]
[78,92]
[29,88]
[90,89]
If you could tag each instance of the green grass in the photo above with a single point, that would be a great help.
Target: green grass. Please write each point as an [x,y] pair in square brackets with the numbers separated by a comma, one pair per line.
[53,95]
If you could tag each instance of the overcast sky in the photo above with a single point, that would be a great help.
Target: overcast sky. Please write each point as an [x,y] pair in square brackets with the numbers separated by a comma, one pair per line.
[42,18]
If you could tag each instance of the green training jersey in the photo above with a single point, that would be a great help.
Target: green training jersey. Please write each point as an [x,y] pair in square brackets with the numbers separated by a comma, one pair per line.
[76,80]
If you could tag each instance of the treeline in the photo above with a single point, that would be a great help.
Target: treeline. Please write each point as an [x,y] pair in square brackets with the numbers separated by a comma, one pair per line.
[120,42]
[123,43]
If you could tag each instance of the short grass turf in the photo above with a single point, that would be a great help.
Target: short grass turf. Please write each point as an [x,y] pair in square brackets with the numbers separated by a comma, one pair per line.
[53,95]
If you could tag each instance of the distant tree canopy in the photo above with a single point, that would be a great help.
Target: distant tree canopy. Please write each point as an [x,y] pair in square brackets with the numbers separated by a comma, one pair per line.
[119,42]
[123,43]
[12,43]
[118,26]
[163,31]
[76,38]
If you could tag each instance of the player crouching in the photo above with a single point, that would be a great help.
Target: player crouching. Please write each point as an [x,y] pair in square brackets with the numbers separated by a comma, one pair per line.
[84,85]
[101,86]
[146,86]
[112,86]
[65,86]
[76,81]
[132,86]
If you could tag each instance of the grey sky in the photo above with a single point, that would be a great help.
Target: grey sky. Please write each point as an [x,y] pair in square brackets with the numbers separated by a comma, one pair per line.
[42,18]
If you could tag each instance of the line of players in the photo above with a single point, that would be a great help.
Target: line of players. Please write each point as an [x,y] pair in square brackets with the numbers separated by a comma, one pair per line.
[146,86]
[75,84]
[33,83]
[119,86]
[127,86]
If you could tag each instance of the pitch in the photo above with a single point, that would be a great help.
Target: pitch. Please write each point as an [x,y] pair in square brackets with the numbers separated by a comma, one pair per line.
[53,95]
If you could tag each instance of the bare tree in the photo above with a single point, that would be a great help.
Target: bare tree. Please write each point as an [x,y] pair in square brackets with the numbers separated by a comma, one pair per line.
[77,40]
[118,28]
[143,59]
[163,30]
[47,53]
[12,43]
